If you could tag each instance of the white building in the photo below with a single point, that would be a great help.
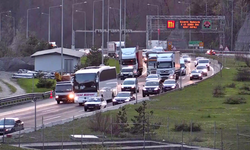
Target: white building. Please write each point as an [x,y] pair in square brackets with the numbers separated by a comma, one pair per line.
[50,60]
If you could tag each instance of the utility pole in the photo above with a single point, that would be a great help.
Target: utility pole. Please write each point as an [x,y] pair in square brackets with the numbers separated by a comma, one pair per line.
[232,25]
[108,25]
[120,36]
[62,40]
[125,11]
[102,29]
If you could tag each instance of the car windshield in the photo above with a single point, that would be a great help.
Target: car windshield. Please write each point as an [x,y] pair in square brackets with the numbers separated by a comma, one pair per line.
[128,61]
[203,61]
[182,65]
[123,95]
[169,82]
[128,82]
[195,71]
[164,65]
[7,122]
[201,67]
[152,76]
[64,88]
[127,70]
[95,99]
[151,63]
[152,83]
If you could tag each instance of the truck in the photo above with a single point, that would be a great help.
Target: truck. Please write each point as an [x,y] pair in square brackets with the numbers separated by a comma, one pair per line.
[64,89]
[156,43]
[168,65]
[151,57]
[114,48]
[132,57]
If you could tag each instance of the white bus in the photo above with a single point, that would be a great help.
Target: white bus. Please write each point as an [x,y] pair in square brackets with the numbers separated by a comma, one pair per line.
[95,81]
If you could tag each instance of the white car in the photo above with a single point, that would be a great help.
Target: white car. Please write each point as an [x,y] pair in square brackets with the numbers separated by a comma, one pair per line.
[203,69]
[153,77]
[94,103]
[205,62]
[129,84]
[196,60]
[186,58]
[196,74]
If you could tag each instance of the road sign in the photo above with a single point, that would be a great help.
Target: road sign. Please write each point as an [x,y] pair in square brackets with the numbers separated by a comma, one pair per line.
[201,44]
[226,49]
[221,47]
[171,24]
[169,46]
[194,43]
[189,24]
[207,24]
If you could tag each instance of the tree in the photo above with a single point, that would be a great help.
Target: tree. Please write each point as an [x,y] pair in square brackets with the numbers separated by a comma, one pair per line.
[141,122]
[94,58]
[122,120]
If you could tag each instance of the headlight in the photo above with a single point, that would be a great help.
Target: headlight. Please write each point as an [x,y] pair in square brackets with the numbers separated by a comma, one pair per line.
[57,96]
[135,71]
[173,86]
[171,77]
[191,75]
[132,87]
[113,100]
[200,75]
[127,100]
[121,73]
[76,98]
[156,88]
[9,129]
[144,89]
[71,95]
[204,70]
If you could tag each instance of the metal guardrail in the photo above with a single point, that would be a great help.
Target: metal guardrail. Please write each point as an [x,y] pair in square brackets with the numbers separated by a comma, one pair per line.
[24,98]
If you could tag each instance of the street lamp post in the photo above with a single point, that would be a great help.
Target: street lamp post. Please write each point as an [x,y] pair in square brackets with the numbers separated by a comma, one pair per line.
[125,11]
[120,34]
[73,37]
[109,19]
[102,30]
[62,39]
[158,23]
[85,20]
[179,2]
[93,23]
[48,25]
[49,19]
[27,25]
[14,25]
[1,22]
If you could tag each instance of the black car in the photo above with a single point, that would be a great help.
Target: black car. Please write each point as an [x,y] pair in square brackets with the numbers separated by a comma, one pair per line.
[152,88]
[9,125]
[123,97]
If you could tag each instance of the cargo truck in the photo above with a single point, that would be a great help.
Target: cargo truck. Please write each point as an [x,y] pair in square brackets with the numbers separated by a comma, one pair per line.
[168,65]
[114,48]
[132,57]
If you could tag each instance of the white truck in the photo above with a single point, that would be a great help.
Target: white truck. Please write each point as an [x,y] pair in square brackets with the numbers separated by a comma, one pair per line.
[132,57]
[155,43]
[168,65]
[114,48]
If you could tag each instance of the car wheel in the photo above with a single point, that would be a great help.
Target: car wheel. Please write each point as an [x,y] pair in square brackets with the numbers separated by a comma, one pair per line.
[200,78]
[113,104]
[85,109]
[58,102]
[143,95]
[191,79]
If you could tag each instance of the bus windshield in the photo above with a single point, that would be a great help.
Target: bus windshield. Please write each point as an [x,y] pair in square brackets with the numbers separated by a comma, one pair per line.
[86,82]
[128,62]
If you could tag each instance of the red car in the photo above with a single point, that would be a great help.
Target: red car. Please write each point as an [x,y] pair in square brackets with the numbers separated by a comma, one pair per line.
[210,52]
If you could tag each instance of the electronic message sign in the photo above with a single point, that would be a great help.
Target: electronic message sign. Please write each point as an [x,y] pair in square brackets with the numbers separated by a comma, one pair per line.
[171,24]
[189,24]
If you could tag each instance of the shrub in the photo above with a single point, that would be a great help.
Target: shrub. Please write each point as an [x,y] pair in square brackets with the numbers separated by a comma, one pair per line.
[243,92]
[232,85]
[218,91]
[187,127]
[245,87]
[235,100]
[243,74]
[100,122]
[44,83]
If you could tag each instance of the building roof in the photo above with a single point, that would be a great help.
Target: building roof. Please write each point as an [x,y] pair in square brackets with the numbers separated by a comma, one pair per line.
[66,51]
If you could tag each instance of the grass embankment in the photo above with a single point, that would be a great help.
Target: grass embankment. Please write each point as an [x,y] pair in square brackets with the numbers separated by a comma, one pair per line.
[11,87]
[1,89]
[8,147]
[27,85]
[192,104]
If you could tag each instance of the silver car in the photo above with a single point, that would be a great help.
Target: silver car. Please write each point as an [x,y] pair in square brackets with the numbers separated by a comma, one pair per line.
[153,77]
[129,84]
[196,74]
[203,69]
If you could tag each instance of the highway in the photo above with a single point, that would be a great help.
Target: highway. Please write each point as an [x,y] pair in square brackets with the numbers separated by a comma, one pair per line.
[52,112]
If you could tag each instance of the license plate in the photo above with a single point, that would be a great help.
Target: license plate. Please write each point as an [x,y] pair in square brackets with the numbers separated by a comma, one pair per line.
[91,107]
[119,102]
[63,98]
[149,90]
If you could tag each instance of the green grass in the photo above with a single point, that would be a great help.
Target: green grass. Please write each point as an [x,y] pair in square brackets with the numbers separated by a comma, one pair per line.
[1,89]
[27,85]
[113,62]
[11,87]
[9,147]
[192,104]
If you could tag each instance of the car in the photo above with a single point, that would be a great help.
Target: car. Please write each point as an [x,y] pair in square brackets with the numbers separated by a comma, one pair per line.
[196,60]
[153,77]
[196,74]
[183,67]
[186,58]
[204,62]
[152,88]
[127,72]
[169,84]
[129,84]
[9,125]
[123,97]
[64,92]
[94,103]
[203,69]
[211,52]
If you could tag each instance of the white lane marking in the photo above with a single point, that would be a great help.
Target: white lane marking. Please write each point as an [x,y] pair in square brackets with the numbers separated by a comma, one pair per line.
[212,71]
[51,118]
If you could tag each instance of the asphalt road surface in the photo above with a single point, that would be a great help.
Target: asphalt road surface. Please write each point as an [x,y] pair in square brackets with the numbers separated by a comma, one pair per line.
[52,112]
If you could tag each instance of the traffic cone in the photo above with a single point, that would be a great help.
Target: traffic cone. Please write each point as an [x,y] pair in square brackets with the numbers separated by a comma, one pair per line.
[51,96]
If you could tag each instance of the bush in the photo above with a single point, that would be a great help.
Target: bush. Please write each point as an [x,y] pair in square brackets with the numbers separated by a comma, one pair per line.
[243,92]
[232,85]
[218,91]
[245,87]
[100,122]
[44,83]
[187,127]
[243,74]
[235,100]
